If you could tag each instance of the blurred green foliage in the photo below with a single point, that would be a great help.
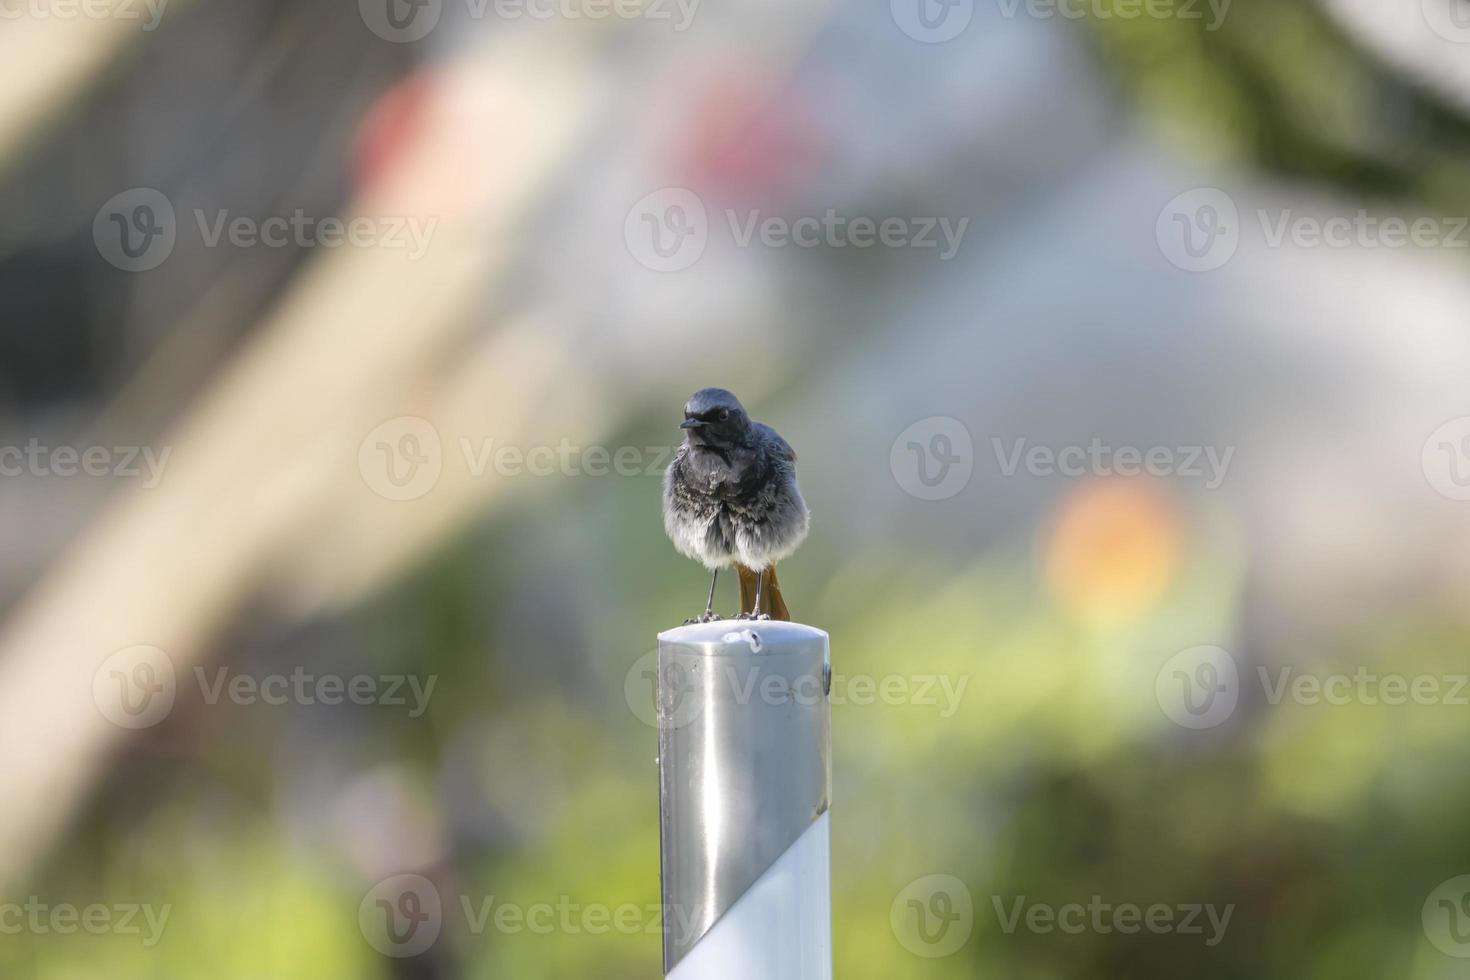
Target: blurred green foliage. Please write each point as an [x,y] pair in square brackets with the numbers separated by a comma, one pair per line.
[1055,777]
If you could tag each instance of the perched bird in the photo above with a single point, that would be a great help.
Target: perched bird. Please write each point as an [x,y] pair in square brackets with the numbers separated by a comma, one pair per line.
[730,498]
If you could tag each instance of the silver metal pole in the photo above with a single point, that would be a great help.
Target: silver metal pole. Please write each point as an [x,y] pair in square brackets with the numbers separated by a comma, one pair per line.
[745,778]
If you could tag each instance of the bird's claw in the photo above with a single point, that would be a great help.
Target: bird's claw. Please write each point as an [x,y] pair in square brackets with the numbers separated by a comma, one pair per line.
[708,616]
[753,617]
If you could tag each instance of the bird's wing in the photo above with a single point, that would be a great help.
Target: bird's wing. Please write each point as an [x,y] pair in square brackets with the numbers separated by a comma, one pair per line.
[778,445]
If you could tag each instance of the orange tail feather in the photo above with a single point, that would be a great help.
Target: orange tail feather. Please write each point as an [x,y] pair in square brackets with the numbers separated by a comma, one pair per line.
[773,603]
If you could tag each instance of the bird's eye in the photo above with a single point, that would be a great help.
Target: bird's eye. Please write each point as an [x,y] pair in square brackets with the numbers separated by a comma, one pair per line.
[724,414]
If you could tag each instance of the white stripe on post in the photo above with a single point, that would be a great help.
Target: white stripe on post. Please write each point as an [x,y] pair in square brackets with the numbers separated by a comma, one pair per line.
[779,930]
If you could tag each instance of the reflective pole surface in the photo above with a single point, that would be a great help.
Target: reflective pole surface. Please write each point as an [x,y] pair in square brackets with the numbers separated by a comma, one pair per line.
[745,780]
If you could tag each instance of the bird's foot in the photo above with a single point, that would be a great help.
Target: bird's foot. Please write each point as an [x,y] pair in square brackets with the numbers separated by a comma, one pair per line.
[708,616]
[753,617]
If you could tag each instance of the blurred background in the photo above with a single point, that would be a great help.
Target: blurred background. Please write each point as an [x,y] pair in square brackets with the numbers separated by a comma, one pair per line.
[1123,345]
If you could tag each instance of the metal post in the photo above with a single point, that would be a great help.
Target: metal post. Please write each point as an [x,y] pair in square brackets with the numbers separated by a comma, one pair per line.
[745,777]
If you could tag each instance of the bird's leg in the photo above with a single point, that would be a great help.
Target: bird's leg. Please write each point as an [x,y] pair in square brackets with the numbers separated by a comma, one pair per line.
[760,581]
[709,607]
[755,613]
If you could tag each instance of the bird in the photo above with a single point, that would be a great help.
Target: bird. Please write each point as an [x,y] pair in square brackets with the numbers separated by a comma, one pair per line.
[730,498]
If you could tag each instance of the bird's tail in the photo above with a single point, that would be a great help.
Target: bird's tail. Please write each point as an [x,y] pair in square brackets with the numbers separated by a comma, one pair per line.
[772,601]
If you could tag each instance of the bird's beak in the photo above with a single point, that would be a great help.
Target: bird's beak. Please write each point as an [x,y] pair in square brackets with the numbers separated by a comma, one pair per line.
[691,424]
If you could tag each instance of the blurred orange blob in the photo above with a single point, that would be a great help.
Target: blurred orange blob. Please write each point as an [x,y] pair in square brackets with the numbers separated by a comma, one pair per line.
[1113,548]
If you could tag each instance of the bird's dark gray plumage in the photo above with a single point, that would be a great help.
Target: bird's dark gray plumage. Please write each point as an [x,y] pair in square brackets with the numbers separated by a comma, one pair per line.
[730,495]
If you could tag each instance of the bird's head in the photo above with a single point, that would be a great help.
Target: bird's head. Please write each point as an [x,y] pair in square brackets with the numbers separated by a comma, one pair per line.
[714,418]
